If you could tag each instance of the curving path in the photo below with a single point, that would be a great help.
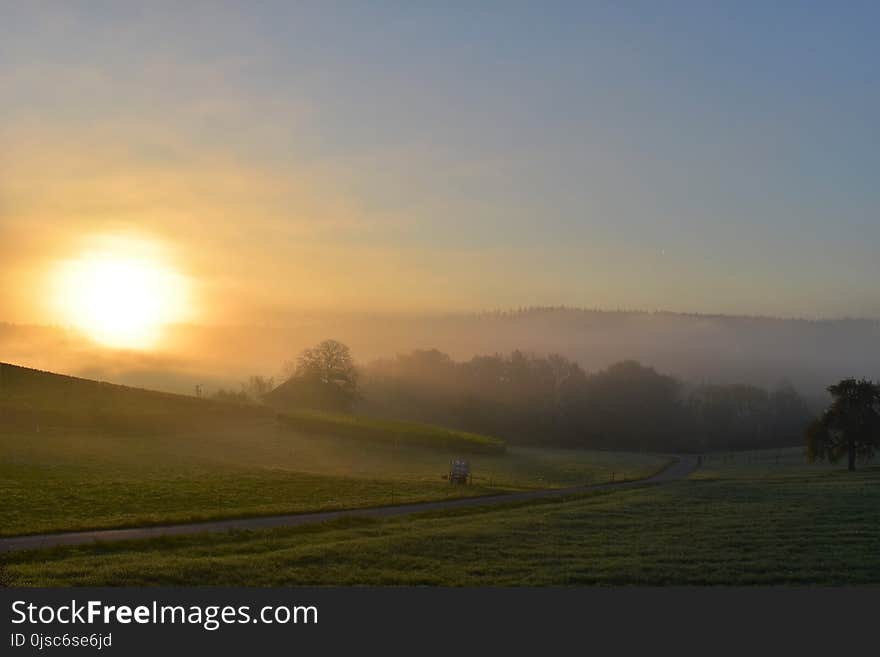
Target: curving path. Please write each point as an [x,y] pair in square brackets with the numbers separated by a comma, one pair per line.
[680,467]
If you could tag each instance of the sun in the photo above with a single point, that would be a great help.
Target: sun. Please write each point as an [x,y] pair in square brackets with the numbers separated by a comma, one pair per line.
[121,296]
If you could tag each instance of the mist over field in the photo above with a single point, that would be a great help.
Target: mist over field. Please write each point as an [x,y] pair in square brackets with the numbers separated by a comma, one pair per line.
[442,294]
[696,349]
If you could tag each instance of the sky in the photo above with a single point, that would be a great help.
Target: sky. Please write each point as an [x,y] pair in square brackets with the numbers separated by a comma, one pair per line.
[717,157]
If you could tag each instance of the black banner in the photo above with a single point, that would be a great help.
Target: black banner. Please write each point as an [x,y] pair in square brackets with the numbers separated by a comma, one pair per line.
[130,621]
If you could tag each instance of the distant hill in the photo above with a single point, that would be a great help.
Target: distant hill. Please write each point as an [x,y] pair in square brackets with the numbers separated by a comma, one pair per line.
[702,348]
[696,348]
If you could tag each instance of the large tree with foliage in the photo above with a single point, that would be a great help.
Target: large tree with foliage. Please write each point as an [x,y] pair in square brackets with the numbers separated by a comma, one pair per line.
[850,425]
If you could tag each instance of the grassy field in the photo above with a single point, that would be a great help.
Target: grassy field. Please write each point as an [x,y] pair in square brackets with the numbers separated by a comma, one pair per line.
[795,528]
[743,518]
[77,479]
[748,464]
[396,432]
[95,474]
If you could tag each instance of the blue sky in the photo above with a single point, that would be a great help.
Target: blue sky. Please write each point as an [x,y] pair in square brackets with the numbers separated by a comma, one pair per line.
[694,156]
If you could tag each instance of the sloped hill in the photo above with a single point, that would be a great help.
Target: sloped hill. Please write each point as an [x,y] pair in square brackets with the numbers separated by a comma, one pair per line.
[391,431]
[32,398]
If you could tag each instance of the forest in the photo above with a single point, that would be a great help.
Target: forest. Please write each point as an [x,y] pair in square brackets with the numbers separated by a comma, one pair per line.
[550,400]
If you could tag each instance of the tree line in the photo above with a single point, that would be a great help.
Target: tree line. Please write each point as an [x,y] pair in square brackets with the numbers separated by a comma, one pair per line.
[551,400]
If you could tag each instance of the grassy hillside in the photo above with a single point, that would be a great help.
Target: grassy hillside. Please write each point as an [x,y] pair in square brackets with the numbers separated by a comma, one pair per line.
[31,400]
[392,431]
[801,526]
[66,468]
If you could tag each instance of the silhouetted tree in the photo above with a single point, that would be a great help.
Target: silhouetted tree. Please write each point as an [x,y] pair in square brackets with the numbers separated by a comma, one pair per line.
[630,406]
[331,363]
[788,414]
[324,377]
[850,425]
[729,416]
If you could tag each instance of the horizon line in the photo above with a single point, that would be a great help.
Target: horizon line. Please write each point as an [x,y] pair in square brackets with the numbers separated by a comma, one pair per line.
[489,312]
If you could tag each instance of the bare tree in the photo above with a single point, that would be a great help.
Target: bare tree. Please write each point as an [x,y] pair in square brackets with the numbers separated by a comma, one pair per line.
[329,362]
[257,386]
[323,377]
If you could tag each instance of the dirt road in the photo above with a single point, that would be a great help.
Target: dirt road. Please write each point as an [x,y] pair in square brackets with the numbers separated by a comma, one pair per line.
[679,468]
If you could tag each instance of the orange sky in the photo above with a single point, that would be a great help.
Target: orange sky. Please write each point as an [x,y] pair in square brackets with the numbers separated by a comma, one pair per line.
[437,160]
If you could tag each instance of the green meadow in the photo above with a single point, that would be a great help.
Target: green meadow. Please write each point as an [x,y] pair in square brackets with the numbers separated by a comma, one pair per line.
[81,455]
[168,458]
[75,479]
[801,526]
[396,432]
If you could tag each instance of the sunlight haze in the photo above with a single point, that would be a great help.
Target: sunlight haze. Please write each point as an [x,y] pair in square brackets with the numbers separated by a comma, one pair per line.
[371,157]
[120,293]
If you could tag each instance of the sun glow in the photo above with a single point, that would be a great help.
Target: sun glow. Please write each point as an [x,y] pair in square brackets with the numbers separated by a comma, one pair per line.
[120,295]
